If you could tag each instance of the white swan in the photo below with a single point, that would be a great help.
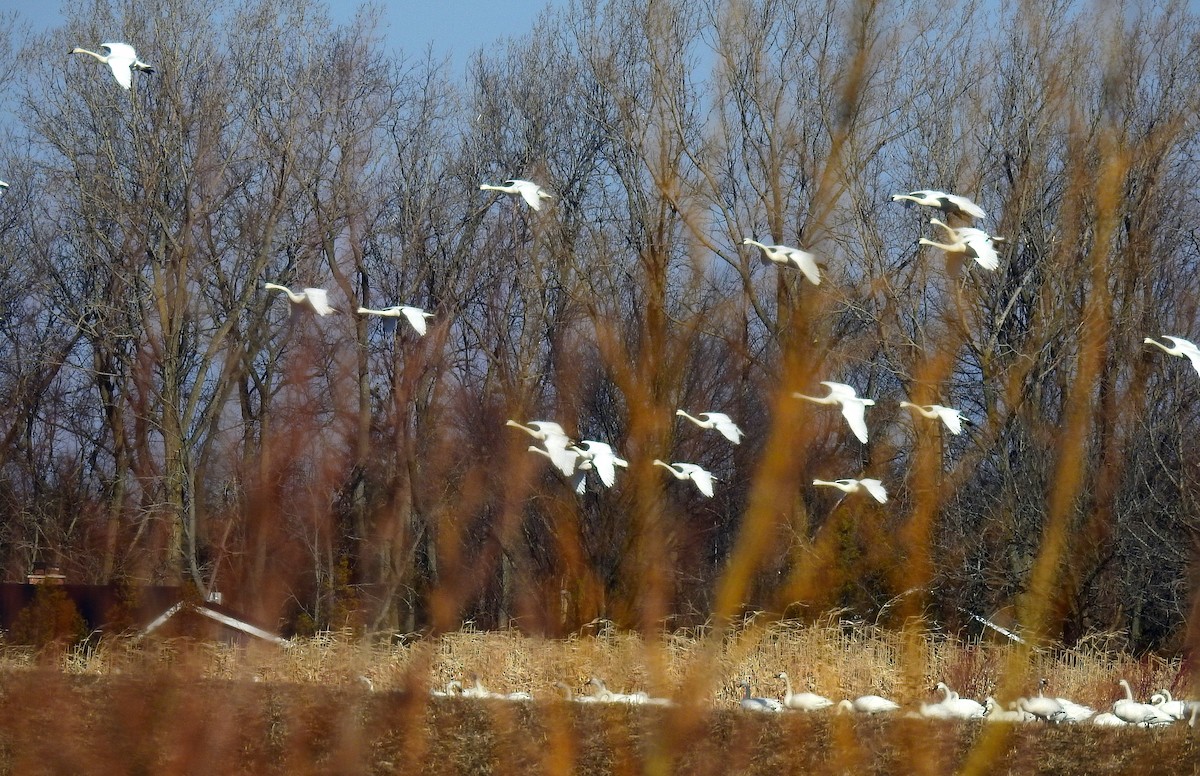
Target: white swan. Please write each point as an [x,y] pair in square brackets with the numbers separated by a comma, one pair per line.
[1179,709]
[556,446]
[1072,711]
[415,315]
[532,193]
[602,459]
[854,408]
[1181,347]
[758,704]
[317,299]
[718,421]
[3,185]
[950,204]
[1134,713]
[121,58]
[994,713]
[605,695]
[565,459]
[539,429]
[948,415]
[868,704]
[789,256]
[804,701]
[1045,709]
[871,486]
[702,478]
[1108,719]
[975,243]
[570,694]
[951,706]
[453,689]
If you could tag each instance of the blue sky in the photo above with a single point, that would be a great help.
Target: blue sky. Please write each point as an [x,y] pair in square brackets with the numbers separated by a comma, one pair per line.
[454,27]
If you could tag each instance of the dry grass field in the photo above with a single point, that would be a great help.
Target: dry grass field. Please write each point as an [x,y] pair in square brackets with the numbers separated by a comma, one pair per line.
[177,707]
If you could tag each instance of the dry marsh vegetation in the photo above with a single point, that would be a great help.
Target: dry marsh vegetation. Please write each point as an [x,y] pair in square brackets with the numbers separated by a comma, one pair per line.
[180,706]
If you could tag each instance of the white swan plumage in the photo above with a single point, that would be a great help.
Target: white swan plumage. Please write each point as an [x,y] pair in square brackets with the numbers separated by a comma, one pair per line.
[854,407]
[121,58]
[786,255]
[717,421]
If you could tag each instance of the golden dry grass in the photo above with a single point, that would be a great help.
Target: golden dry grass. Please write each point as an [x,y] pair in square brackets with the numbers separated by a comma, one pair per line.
[179,707]
[836,659]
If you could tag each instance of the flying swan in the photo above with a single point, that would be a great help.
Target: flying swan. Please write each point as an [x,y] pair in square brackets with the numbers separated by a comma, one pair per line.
[316,298]
[789,256]
[532,193]
[854,408]
[121,58]
[415,315]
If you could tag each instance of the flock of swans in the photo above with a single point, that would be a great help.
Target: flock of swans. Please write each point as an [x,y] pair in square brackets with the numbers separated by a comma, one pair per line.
[1160,711]
[575,460]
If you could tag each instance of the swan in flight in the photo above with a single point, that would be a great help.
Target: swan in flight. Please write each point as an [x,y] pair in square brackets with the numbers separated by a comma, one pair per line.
[122,58]
[787,255]
[854,408]
[532,193]
[316,298]
[415,315]
[690,471]
[948,415]
[757,704]
[718,421]
[804,701]
[601,458]
[556,447]
[874,487]
[539,429]
[1134,713]
[868,704]
[967,241]
[950,204]
[1181,347]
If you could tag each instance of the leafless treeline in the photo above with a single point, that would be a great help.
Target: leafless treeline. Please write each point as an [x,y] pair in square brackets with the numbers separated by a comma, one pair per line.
[166,418]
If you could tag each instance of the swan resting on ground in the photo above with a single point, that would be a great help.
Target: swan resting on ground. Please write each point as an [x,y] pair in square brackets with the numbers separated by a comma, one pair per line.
[868,704]
[758,704]
[804,701]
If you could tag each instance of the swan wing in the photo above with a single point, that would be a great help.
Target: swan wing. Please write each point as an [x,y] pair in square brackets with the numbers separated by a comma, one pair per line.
[318,299]
[951,417]
[855,414]
[725,425]
[981,247]
[965,205]
[1189,350]
[416,316]
[876,489]
[806,263]
[121,57]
